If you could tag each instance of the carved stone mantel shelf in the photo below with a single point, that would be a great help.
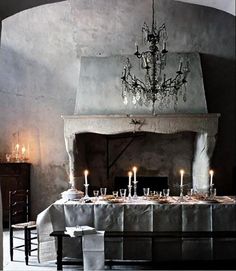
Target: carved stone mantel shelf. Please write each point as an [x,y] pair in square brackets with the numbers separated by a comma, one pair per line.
[165,123]
[204,125]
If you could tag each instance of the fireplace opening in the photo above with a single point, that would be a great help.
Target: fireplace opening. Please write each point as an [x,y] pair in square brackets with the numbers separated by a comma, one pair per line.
[158,157]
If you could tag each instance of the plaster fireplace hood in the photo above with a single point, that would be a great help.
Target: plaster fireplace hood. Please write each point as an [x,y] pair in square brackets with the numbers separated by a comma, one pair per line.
[204,125]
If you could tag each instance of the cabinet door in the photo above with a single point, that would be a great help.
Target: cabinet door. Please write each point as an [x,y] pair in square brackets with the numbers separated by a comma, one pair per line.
[13,176]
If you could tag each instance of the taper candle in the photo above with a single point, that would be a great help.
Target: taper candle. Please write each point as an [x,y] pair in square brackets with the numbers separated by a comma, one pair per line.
[211,172]
[135,171]
[130,176]
[86,176]
[181,177]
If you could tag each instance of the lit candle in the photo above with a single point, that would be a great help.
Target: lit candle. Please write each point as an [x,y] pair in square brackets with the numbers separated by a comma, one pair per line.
[23,150]
[181,177]
[17,147]
[135,171]
[211,172]
[130,176]
[86,176]
[136,46]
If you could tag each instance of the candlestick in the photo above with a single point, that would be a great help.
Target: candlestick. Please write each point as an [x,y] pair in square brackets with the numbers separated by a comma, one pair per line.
[211,172]
[129,189]
[130,176]
[86,177]
[135,171]
[181,177]
[135,196]
[86,196]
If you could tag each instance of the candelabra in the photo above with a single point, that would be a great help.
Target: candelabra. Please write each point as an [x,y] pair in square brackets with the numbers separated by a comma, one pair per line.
[135,196]
[155,86]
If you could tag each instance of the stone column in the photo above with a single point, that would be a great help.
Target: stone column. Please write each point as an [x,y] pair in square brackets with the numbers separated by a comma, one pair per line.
[70,141]
[204,147]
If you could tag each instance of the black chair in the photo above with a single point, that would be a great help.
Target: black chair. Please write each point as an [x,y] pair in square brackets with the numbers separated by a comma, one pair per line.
[19,210]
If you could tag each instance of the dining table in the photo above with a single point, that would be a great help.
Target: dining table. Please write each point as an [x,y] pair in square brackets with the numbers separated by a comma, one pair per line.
[147,216]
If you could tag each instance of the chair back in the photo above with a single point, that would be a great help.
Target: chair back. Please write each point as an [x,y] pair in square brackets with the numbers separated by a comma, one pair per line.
[19,208]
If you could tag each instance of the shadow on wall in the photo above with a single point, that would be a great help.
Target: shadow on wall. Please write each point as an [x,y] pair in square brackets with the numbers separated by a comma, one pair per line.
[219,80]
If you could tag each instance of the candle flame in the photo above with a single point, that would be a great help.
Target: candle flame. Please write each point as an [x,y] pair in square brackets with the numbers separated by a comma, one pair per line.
[86,172]
[181,172]
[211,172]
[23,150]
[130,173]
[134,169]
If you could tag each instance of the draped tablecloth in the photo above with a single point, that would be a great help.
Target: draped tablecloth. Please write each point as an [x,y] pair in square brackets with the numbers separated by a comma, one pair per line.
[142,216]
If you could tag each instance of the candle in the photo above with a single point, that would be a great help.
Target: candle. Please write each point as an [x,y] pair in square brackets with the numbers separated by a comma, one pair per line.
[135,171]
[181,177]
[17,147]
[136,46]
[211,172]
[86,176]
[130,176]
[23,150]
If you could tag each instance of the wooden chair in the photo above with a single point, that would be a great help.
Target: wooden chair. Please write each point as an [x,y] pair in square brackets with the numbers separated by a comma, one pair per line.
[19,210]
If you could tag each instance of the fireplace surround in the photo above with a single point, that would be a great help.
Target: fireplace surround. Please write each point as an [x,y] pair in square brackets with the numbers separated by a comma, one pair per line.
[204,125]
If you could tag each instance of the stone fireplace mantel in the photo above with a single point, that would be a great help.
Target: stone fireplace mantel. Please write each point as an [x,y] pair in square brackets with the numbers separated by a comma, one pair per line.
[204,125]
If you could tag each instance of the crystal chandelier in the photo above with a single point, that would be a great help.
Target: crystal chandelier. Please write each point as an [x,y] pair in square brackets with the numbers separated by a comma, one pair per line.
[155,87]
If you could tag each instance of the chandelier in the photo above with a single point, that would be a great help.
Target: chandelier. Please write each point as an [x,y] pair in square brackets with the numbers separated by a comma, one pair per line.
[155,87]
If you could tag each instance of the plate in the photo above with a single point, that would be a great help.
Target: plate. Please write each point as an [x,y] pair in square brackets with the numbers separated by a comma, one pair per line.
[208,201]
[115,201]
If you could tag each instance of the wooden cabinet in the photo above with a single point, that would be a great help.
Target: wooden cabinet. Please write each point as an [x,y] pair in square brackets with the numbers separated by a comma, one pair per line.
[13,176]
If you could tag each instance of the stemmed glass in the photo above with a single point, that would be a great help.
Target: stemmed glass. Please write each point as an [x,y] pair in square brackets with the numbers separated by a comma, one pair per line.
[166,192]
[123,193]
[96,193]
[146,192]
[115,194]
[103,191]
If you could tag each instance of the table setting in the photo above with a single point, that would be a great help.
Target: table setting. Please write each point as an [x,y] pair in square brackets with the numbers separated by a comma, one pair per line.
[123,210]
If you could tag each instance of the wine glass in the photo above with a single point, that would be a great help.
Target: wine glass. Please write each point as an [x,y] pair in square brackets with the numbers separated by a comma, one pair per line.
[96,193]
[8,157]
[146,192]
[115,194]
[166,192]
[103,191]
[123,193]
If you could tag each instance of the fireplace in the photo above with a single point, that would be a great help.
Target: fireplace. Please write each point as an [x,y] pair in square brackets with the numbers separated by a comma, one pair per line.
[203,126]
[157,156]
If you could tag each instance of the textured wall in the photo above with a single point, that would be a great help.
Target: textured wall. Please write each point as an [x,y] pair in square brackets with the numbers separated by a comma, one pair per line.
[40,62]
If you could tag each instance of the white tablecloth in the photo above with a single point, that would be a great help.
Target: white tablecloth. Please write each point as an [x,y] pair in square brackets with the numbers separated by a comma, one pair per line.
[141,216]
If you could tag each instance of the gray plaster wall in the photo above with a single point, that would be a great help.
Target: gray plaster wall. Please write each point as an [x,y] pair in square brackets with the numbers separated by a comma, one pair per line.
[40,57]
